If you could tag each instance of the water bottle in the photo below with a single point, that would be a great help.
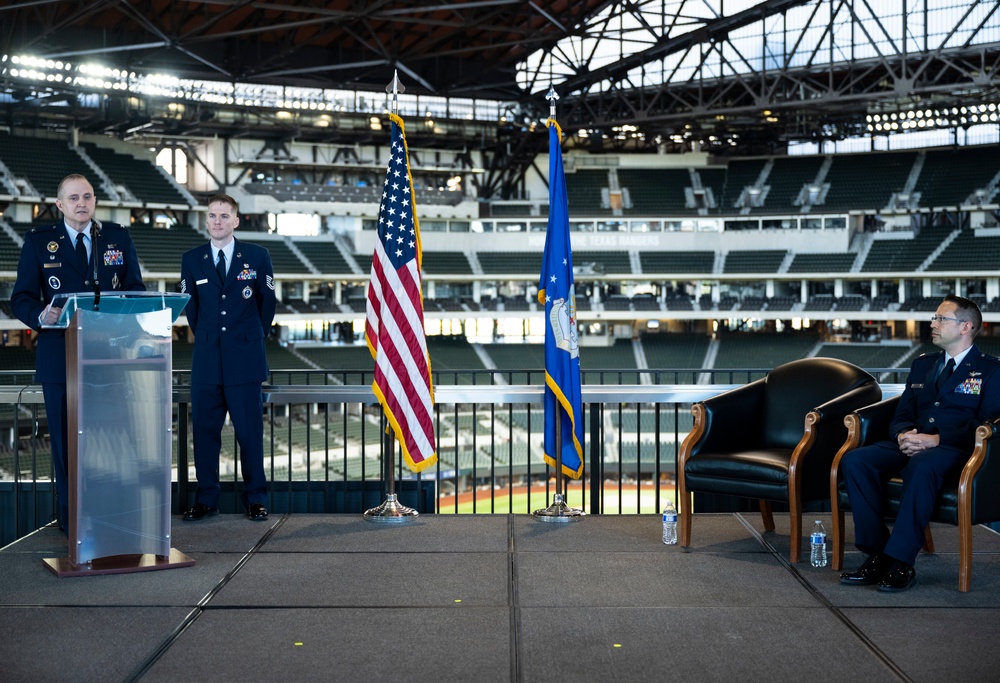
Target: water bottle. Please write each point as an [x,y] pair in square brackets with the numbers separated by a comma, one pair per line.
[817,543]
[670,524]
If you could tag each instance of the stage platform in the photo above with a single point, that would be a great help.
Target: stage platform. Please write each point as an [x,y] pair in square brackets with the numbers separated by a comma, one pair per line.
[493,598]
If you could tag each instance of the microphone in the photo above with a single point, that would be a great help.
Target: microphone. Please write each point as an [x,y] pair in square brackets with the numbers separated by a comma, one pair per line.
[95,232]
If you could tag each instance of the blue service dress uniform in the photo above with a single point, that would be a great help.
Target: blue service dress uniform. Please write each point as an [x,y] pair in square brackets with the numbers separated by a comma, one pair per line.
[48,266]
[230,321]
[968,398]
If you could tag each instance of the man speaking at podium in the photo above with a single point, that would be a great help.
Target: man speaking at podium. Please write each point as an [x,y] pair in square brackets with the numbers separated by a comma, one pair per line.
[78,254]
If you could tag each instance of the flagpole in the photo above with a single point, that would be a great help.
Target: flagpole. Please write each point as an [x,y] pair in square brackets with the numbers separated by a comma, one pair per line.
[559,511]
[391,510]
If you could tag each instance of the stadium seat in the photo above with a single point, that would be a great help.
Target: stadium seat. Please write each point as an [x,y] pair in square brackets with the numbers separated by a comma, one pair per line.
[773,439]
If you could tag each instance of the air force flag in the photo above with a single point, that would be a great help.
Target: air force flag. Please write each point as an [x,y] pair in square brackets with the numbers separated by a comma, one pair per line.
[562,355]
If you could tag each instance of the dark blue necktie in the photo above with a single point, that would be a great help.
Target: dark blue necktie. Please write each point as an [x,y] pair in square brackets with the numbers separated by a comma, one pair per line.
[945,374]
[221,266]
[81,251]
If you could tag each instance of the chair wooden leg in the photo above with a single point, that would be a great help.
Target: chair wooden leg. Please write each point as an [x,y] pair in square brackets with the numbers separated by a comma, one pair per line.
[837,539]
[766,516]
[684,498]
[795,530]
[964,554]
[928,539]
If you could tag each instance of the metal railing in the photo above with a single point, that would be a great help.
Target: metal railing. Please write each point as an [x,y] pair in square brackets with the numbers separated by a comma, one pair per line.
[324,447]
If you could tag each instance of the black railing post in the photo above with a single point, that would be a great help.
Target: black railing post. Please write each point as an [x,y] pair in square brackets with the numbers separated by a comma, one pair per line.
[596,470]
[182,456]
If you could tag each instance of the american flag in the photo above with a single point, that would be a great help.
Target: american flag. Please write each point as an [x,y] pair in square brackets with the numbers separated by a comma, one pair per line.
[394,329]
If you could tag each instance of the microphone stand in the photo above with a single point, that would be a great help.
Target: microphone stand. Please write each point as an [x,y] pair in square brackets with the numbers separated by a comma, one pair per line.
[96,232]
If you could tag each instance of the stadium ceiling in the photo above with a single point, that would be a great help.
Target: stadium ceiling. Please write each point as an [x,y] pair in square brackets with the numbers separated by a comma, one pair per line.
[464,48]
[734,76]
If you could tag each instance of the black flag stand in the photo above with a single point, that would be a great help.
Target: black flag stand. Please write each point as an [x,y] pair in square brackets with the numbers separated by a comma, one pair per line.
[559,511]
[391,510]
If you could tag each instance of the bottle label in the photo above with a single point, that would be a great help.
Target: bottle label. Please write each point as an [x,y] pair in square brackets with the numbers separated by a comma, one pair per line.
[669,517]
[818,538]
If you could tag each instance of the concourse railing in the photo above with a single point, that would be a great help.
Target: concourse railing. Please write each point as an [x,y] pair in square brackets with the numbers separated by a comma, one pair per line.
[324,446]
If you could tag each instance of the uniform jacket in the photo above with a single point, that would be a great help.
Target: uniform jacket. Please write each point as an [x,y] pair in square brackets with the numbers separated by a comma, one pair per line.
[230,320]
[48,266]
[968,398]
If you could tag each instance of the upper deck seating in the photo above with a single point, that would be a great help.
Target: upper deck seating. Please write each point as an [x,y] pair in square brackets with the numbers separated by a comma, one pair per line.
[348,194]
[713,179]
[904,255]
[740,174]
[786,179]
[143,178]
[613,360]
[968,252]
[510,262]
[283,259]
[583,192]
[160,249]
[656,262]
[656,191]
[868,356]
[761,349]
[44,162]
[325,256]
[822,263]
[754,261]
[866,181]
[608,261]
[950,176]
[675,350]
[820,302]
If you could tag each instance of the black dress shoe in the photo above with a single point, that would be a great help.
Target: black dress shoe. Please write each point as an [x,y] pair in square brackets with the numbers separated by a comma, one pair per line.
[198,511]
[900,577]
[869,573]
[257,512]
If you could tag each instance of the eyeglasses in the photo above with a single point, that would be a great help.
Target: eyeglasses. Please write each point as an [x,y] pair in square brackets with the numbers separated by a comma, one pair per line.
[943,318]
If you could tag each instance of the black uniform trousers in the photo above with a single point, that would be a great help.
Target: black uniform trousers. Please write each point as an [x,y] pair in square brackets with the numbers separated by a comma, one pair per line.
[245,405]
[866,471]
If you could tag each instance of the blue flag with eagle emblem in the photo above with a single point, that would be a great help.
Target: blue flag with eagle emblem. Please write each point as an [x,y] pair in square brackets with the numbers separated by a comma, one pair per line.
[562,355]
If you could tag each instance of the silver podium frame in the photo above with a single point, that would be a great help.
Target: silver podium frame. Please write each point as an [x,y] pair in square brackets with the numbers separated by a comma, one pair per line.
[119,432]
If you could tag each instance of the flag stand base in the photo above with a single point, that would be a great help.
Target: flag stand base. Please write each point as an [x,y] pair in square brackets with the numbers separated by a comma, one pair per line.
[558,511]
[391,511]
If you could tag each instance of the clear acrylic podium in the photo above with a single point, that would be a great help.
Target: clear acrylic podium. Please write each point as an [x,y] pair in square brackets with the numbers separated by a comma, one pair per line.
[119,407]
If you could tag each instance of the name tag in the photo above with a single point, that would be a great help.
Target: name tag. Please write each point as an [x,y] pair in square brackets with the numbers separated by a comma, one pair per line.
[200,282]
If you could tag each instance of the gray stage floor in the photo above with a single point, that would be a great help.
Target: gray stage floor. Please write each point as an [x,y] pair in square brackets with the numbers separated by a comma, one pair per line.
[493,598]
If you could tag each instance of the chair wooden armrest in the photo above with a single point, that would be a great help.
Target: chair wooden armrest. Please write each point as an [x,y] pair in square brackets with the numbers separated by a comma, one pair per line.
[865,426]
[982,471]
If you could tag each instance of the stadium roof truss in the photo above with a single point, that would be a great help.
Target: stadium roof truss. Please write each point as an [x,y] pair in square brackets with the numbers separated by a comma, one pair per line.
[770,71]
[729,76]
